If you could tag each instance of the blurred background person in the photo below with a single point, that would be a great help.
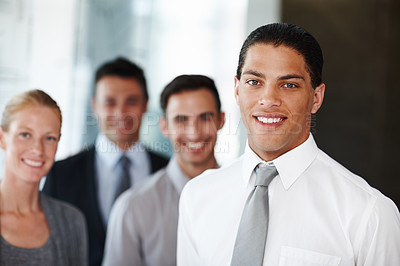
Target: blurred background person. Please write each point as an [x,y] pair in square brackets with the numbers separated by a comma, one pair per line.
[35,229]
[144,220]
[96,176]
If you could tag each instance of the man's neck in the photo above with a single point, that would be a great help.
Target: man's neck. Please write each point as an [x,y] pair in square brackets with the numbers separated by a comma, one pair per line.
[124,146]
[192,170]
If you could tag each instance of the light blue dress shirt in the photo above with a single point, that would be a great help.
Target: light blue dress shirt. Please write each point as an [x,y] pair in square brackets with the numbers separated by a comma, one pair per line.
[108,170]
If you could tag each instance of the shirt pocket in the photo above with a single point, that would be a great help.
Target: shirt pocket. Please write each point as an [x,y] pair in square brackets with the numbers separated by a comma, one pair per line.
[300,257]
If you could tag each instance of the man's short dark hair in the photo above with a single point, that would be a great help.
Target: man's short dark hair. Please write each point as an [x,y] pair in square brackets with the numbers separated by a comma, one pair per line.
[291,36]
[189,83]
[122,67]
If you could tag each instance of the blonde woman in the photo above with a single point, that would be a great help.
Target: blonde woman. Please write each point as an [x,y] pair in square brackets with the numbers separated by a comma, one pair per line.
[35,229]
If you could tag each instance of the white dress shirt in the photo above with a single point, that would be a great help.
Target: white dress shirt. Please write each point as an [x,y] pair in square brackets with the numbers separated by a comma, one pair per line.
[320,214]
[108,170]
[143,223]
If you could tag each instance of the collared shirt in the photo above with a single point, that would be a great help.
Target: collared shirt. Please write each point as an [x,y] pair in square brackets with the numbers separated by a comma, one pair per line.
[320,214]
[144,220]
[108,170]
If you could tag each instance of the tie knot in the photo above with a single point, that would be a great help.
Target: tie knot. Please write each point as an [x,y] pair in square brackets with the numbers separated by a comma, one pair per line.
[265,174]
[125,161]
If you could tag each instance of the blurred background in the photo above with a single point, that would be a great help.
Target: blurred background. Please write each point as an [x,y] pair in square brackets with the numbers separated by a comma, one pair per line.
[57,46]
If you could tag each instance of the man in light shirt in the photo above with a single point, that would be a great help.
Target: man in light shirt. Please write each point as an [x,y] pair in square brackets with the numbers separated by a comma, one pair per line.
[144,220]
[319,212]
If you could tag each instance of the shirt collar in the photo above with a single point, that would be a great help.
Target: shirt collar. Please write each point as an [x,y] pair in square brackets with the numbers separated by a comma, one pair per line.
[288,165]
[110,153]
[175,174]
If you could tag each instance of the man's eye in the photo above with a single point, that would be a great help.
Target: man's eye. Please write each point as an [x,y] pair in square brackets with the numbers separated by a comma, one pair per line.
[181,119]
[206,116]
[132,101]
[51,138]
[109,103]
[290,85]
[253,82]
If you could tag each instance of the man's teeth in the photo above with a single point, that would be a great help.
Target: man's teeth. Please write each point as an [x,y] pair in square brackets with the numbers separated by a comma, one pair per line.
[194,145]
[33,163]
[269,120]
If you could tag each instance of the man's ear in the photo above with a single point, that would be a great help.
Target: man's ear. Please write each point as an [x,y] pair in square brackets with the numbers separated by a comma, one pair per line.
[145,106]
[221,120]
[93,104]
[164,127]
[236,89]
[319,93]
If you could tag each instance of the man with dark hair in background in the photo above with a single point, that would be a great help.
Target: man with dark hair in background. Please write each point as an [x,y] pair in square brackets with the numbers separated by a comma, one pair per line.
[144,220]
[95,177]
[284,201]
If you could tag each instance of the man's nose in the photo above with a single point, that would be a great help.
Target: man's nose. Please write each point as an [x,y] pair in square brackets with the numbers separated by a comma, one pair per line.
[193,129]
[270,96]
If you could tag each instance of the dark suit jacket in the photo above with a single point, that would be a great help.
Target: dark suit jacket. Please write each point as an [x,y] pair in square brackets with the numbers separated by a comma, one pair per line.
[73,180]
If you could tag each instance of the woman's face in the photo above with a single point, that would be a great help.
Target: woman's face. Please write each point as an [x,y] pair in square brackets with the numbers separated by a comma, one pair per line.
[30,143]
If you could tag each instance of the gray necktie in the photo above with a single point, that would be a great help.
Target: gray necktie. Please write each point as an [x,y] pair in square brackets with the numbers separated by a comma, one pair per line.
[252,234]
[125,178]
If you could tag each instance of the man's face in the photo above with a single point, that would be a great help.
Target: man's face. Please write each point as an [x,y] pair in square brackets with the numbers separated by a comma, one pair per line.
[276,99]
[119,105]
[191,123]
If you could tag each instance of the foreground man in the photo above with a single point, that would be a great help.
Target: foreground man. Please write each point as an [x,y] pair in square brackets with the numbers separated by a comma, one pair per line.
[144,220]
[319,213]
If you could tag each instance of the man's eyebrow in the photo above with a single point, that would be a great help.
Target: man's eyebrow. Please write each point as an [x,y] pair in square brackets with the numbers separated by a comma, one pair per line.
[206,114]
[254,73]
[134,96]
[179,116]
[291,76]
[261,75]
